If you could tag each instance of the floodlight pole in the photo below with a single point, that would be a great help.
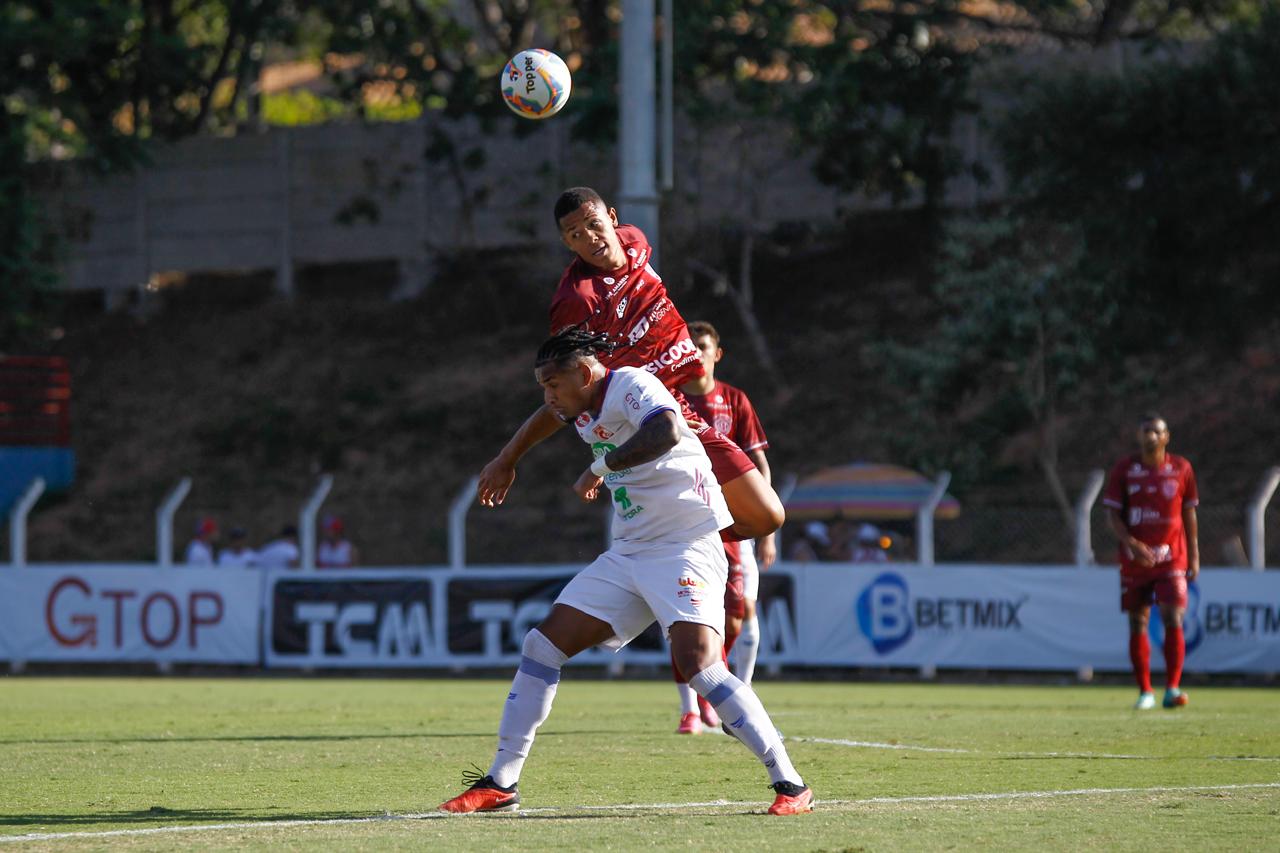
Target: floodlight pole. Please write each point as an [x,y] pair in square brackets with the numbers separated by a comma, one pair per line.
[1084,511]
[638,195]
[924,519]
[18,522]
[1255,519]
[668,96]
[307,523]
[458,523]
[164,522]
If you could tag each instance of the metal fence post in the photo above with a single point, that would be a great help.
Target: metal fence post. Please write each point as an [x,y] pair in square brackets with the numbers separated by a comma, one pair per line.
[1084,511]
[458,523]
[307,523]
[924,519]
[18,522]
[1255,521]
[789,483]
[164,522]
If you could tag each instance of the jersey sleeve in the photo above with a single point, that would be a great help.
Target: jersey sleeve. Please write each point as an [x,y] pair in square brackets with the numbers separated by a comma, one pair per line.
[1114,495]
[568,309]
[749,433]
[638,396]
[1190,492]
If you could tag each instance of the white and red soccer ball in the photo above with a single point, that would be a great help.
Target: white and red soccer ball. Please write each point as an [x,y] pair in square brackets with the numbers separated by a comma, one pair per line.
[536,83]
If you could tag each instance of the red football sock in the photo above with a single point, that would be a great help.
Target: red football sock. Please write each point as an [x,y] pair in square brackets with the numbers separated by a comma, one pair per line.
[676,675]
[1175,650]
[1140,655]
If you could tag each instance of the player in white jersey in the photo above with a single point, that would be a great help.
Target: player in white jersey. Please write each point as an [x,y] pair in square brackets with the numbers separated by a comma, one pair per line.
[666,563]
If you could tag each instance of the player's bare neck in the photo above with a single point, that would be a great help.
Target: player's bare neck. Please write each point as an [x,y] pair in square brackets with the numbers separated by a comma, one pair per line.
[1153,460]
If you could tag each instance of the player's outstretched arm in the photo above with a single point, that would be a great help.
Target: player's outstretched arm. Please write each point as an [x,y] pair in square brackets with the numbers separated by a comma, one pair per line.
[497,476]
[766,547]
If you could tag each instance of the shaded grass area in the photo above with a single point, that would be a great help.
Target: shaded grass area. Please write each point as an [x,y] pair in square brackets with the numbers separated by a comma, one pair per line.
[91,755]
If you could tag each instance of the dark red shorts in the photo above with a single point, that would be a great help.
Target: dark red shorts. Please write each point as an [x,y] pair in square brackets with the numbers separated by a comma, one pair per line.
[735,601]
[1139,591]
[728,461]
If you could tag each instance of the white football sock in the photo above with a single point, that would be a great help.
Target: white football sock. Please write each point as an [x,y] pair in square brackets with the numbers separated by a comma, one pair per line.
[688,699]
[746,649]
[528,704]
[741,710]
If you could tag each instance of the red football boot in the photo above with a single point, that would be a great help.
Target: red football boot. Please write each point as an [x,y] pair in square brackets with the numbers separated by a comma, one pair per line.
[484,795]
[792,798]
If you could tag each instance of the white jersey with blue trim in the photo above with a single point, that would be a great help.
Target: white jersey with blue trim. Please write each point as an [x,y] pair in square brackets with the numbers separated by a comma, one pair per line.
[674,498]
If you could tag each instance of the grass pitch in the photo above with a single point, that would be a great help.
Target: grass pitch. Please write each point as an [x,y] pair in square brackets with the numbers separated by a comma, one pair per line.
[161,763]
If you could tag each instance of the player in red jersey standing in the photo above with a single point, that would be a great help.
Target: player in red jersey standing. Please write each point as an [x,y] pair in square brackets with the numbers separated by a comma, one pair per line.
[1152,500]
[611,288]
[731,414]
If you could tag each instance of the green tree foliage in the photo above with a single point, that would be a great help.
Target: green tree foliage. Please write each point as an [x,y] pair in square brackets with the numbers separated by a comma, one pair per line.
[96,81]
[1142,211]
[1173,174]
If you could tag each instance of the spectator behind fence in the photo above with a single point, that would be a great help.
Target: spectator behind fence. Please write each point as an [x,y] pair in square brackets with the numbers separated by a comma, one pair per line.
[1151,499]
[335,551]
[237,553]
[281,552]
[811,544]
[868,548]
[200,550]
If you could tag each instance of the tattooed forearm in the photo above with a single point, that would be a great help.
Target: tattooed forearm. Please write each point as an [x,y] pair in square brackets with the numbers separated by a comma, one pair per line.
[658,435]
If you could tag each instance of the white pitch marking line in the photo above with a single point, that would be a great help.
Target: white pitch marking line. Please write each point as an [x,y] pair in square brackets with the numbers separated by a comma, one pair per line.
[865,744]
[871,801]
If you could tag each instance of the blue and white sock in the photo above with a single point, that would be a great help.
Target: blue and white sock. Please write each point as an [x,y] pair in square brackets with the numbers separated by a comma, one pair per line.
[528,704]
[740,709]
[745,650]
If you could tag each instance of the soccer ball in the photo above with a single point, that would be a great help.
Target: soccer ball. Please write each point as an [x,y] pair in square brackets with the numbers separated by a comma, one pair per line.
[536,83]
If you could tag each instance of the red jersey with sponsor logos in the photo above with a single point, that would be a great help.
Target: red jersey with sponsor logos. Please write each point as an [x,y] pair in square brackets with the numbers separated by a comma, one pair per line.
[728,410]
[631,305]
[1150,500]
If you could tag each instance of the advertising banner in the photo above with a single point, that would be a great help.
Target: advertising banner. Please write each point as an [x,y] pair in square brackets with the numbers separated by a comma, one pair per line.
[1024,618]
[363,619]
[470,617]
[130,613]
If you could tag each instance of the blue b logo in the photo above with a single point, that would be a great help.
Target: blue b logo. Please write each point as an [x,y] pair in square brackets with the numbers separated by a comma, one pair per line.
[884,614]
[1192,629]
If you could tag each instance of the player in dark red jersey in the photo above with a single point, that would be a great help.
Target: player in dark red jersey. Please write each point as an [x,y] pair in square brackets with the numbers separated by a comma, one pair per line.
[731,414]
[1152,500]
[611,288]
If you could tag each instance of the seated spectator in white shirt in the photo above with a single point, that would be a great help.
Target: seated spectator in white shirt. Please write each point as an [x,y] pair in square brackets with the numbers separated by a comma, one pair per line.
[281,552]
[335,551]
[200,549]
[237,554]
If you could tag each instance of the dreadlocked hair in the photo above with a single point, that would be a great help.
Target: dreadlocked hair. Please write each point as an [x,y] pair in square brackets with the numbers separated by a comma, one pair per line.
[571,344]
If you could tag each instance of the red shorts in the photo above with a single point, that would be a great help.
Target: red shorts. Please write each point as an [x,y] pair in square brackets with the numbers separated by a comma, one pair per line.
[735,601]
[728,461]
[1139,591]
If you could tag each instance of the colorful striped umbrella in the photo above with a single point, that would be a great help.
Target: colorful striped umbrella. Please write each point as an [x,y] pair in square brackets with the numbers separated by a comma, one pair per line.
[864,491]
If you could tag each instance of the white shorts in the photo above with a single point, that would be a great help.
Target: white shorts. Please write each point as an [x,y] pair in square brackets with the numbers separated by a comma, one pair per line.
[683,582]
[750,570]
